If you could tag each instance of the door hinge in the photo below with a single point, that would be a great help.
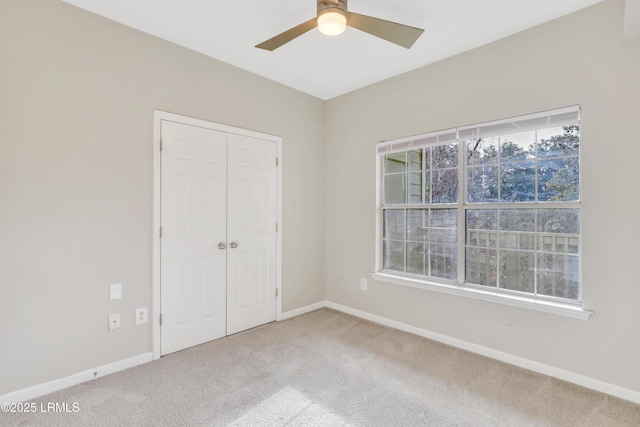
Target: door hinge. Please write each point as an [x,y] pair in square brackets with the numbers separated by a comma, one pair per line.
[160,144]
[276,227]
[276,292]
[277,161]
[160,232]
[160,319]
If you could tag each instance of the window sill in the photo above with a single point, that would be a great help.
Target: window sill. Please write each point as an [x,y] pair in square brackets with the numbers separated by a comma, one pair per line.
[560,309]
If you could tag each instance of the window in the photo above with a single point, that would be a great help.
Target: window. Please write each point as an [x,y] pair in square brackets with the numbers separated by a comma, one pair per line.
[492,207]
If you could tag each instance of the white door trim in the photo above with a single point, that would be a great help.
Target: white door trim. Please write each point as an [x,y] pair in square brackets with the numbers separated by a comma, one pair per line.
[158,117]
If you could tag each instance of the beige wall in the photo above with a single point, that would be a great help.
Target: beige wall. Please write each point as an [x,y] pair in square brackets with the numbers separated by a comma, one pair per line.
[579,59]
[76,99]
[77,94]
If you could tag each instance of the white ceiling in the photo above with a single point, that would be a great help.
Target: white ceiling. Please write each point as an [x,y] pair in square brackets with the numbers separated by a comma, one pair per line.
[329,66]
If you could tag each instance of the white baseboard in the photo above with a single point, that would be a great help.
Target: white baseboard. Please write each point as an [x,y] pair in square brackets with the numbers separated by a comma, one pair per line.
[302,310]
[572,377]
[41,389]
[531,365]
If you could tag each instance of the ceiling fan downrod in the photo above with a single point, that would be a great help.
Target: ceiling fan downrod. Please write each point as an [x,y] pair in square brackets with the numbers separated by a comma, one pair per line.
[339,6]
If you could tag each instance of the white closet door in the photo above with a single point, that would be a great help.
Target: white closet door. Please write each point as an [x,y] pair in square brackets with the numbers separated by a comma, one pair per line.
[193,216]
[251,233]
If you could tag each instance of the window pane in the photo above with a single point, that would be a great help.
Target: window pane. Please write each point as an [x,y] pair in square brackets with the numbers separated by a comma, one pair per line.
[445,186]
[417,223]
[482,184]
[558,221]
[443,259]
[444,156]
[416,258]
[482,219]
[481,266]
[520,146]
[558,275]
[557,142]
[393,255]
[394,189]
[482,228]
[395,162]
[444,226]
[427,187]
[393,222]
[415,160]
[558,264]
[517,229]
[415,188]
[558,179]
[558,230]
[518,182]
[517,271]
[482,151]
[439,235]
[518,219]
[444,218]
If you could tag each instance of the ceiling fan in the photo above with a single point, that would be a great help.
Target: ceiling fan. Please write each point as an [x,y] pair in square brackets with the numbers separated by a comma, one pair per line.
[333,17]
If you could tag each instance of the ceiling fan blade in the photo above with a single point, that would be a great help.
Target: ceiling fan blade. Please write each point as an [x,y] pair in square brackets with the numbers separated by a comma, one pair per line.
[275,42]
[399,34]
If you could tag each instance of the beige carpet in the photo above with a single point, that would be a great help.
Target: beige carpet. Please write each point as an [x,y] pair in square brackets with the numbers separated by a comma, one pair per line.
[329,369]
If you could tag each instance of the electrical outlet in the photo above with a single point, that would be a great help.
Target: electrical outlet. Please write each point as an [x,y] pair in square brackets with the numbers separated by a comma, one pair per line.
[141,315]
[363,284]
[114,321]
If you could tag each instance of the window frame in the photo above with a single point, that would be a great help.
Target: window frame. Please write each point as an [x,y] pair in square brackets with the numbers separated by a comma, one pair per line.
[538,302]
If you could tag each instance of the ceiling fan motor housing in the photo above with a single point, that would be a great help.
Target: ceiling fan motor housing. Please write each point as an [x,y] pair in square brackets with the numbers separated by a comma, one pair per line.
[339,6]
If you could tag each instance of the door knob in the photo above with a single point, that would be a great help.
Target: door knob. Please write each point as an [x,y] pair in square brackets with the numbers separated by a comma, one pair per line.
[233,245]
[222,245]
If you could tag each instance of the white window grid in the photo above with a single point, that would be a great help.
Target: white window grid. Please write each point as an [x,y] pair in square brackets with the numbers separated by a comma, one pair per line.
[462,206]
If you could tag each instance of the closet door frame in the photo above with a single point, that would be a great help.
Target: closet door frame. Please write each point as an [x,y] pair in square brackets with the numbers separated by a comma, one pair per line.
[158,117]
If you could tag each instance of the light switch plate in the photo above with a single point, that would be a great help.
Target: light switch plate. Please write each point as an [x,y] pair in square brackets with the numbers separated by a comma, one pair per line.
[115,291]
[114,321]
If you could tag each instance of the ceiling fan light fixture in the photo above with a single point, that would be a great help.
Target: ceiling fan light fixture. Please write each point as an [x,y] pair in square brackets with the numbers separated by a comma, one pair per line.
[332,19]
[332,23]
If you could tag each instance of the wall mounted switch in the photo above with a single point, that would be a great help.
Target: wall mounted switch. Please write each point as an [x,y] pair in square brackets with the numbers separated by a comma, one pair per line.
[363,284]
[114,321]
[115,291]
